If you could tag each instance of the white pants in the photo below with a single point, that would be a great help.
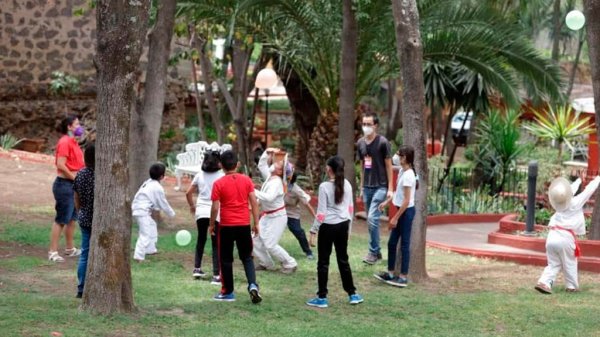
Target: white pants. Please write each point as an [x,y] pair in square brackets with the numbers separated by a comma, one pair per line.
[148,236]
[266,244]
[560,251]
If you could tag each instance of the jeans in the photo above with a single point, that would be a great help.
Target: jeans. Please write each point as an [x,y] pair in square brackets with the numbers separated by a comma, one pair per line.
[242,237]
[372,197]
[202,225]
[86,233]
[334,235]
[296,228]
[401,232]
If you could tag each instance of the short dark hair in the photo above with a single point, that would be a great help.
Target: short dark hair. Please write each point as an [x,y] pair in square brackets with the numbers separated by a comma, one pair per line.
[211,161]
[229,160]
[89,156]
[372,115]
[157,170]
[65,123]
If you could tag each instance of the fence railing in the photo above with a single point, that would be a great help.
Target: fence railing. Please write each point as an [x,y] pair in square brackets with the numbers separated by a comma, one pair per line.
[464,190]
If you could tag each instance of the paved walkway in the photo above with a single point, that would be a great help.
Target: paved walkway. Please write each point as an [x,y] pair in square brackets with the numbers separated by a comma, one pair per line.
[470,236]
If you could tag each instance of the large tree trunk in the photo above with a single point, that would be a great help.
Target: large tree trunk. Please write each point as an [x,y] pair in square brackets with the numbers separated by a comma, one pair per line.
[348,90]
[592,12]
[108,287]
[410,53]
[322,144]
[304,109]
[195,43]
[146,122]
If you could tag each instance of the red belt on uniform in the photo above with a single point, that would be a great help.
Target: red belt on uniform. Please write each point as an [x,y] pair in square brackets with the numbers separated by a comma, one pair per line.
[577,248]
[263,213]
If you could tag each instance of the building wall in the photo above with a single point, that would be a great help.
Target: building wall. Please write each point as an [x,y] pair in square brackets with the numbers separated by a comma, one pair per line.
[38,37]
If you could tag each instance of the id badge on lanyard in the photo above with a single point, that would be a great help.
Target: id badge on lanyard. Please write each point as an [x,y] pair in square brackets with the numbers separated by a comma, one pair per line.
[368,162]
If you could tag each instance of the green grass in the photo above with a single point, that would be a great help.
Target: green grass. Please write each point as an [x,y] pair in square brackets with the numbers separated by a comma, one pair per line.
[465,297]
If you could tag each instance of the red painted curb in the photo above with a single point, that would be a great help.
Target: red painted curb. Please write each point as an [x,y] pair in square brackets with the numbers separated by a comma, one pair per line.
[445,219]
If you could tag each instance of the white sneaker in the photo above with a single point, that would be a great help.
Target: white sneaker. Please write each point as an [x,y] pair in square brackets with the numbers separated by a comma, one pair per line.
[72,252]
[54,257]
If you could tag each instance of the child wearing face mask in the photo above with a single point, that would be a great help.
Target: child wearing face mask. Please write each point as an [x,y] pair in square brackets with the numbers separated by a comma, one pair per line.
[400,225]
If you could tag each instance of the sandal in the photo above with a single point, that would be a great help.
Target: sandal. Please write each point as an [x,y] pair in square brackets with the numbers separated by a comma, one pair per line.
[73,252]
[54,257]
[572,290]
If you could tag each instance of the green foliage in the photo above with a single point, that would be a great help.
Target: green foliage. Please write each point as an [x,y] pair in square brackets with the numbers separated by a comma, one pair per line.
[62,84]
[497,148]
[8,141]
[170,133]
[192,134]
[548,167]
[561,124]
[480,201]
[542,216]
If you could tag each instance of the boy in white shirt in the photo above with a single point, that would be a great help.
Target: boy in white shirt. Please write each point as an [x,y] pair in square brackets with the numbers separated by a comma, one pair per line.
[150,196]
[568,222]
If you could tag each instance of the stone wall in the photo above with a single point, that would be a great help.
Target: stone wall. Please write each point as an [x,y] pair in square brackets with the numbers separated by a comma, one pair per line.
[38,37]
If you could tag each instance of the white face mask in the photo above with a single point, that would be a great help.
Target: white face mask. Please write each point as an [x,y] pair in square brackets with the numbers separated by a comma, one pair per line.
[272,168]
[367,130]
[396,160]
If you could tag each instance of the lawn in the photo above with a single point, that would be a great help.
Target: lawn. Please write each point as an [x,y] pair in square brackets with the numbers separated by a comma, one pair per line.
[464,297]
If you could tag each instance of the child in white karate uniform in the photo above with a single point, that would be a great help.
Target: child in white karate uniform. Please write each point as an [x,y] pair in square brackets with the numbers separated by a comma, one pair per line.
[568,222]
[150,196]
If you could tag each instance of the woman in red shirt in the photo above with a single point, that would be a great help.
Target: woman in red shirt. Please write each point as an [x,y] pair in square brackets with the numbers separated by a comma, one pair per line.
[69,160]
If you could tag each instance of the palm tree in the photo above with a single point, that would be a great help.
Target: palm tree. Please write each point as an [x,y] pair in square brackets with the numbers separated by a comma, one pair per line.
[560,124]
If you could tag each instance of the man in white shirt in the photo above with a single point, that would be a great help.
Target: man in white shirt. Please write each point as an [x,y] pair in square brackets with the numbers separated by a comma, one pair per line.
[273,220]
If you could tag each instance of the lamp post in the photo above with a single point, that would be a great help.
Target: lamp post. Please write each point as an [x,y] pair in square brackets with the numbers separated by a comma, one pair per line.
[266,79]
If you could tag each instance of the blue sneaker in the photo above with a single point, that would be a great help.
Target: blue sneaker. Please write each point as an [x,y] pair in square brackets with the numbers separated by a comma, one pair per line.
[224,297]
[318,302]
[254,294]
[400,282]
[356,299]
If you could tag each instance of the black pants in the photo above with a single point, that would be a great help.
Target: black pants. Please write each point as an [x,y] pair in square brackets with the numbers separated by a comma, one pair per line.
[296,228]
[242,237]
[202,225]
[329,236]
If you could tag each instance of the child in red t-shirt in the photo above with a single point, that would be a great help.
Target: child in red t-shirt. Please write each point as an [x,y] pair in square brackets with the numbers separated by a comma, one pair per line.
[231,195]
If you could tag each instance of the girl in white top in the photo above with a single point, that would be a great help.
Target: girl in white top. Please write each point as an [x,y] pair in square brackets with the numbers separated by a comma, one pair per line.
[334,216]
[400,224]
[202,184]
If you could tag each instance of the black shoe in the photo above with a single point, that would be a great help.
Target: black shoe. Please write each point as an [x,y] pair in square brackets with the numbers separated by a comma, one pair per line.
[254,294]
[384,276]
[379,257]
[79,294]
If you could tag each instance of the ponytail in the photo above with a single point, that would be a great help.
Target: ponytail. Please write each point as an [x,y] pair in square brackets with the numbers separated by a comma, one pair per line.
[336,163]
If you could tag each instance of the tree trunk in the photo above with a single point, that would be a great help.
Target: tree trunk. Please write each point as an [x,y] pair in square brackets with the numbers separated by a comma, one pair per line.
[207,78]
[592,11]
[348,90]
[194,42]
[304,109]
[394,111]
[146,122]
[108,287]
[556,24]
[322,145]
[575,64]
[410,54]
